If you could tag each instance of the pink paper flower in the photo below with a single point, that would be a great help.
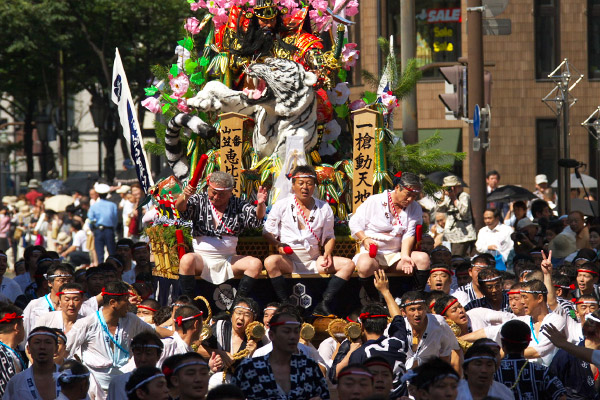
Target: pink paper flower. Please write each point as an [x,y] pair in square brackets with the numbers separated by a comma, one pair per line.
[389,101]
[352,8]
[320,5]
[322,21]
[192,25]
[357,105]
[197,5]
[219,16]
[179,84]
[340,93]
[182,106]
[152,104]
[349,55]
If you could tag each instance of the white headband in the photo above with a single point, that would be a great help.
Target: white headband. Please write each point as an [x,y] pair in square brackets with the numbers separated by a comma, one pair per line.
[189,364]
[593,318]
[142,383]
[57,276]
[480,358]
[244,308]
[67,375]
[412,303]
[53,335]
[270,308]
[495,278]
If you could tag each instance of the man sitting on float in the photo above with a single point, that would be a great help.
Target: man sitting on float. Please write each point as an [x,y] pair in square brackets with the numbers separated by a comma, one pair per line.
[385,226]
[298,226]
[218,218]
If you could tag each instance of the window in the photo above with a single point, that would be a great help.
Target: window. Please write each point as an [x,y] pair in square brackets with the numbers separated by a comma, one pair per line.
[438,25]
[593,39]
[547,37]
[546,140]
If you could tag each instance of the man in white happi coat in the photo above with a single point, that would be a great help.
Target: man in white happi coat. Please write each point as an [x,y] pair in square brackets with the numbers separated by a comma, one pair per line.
[298,226]
[388,221]
[57,276]
[104,338]
[146,348]
[37,382]
[70,297]
[188,327]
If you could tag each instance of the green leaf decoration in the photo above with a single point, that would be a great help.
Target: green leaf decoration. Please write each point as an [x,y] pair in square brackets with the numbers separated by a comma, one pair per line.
[198,78]
[174,70]
[370,97]
[150,91]
[186,43]
[168,98]
[191,1]
[342,111]
[165,108]
[342,74]
[204,61]
[190,66]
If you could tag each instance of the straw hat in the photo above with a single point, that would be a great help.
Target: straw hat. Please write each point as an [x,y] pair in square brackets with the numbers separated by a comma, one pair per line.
[63,238]
[451,181]
[123,189]
[101,188]
[33,184]
[25,210]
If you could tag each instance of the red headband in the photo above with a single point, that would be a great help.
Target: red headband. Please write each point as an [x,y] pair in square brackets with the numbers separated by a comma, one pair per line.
[104,293]
[432,305]
[514,292]
[180,320]
[147,308]
[10,317]
[446,270]
[579,302]
[570,287]
[448,306]
[378,363]
[588,271]
[349,320]
[369,316]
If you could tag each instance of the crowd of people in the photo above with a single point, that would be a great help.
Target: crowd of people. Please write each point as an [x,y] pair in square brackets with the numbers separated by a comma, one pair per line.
[507,312]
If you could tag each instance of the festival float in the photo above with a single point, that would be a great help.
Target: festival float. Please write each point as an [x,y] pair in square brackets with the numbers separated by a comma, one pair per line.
[260,87]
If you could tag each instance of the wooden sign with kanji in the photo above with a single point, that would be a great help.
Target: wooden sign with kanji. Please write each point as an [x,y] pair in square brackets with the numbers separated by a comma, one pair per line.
[232,129]
[363,155]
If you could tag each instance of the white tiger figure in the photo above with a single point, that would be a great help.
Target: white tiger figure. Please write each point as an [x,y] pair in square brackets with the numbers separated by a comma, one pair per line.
[279,97]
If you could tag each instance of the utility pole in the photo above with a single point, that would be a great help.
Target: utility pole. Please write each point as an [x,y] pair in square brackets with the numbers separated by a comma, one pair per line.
[408,50]
[475,96]
[63,136]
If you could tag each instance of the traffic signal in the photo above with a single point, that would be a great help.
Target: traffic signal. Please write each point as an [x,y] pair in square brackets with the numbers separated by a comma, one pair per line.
[456,99]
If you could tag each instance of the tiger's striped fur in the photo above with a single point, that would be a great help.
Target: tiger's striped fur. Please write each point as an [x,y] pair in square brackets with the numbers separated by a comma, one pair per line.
[173,148]
[288,107]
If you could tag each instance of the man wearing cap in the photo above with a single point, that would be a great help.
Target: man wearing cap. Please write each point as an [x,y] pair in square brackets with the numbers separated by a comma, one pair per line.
[283,372]
[541,184]
[12,333]
[56,276]
[494,238]
[385,226]
[460,228]
[8,287]
[218,219]
[527,380]
[32,195]
[103,338]
[104,219]
[37,382]
[301,225]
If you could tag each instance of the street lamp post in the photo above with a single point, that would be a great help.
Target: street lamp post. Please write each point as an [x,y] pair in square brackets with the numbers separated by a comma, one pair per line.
[98,111]
[592,124]
[42,123]
[4,142]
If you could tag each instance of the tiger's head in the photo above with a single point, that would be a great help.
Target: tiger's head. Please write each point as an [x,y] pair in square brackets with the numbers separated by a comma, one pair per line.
[281,84]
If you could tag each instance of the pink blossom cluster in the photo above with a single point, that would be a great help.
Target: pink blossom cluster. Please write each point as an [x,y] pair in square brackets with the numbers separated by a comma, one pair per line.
[323,19]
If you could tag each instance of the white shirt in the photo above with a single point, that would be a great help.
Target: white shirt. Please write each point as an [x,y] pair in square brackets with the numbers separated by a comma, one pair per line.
[173,345]
[438,341]
[116,389]
[481,318]
[499,237]
[35,310]
[80,240]
[52,319]
[22,387]
[380,224]
[497,390]
[326,350]
[10,288]
[284,217]
[543,345]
